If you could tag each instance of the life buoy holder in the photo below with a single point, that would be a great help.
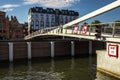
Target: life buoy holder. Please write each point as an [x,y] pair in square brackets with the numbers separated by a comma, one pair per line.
[84,29]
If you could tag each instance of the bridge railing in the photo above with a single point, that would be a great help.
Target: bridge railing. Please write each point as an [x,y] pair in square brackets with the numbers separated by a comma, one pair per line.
[41,31]
[110,29]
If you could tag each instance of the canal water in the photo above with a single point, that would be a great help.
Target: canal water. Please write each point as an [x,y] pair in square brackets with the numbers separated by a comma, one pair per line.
[67,68]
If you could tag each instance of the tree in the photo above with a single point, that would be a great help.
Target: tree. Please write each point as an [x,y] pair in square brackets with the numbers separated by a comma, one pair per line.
[96,22]
[117,21]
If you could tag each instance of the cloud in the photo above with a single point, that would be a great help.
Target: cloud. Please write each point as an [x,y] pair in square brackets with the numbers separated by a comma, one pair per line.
[27,2]
[6,10]
[52,3]
[8,7]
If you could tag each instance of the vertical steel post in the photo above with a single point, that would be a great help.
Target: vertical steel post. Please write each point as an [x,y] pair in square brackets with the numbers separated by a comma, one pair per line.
[72,48]
[29,50]
[52,49]
[90,47]
[113,32]
[10,51]
[89,30]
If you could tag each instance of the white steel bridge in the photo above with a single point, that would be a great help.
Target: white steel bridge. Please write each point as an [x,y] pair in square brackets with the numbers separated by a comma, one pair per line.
[109,31]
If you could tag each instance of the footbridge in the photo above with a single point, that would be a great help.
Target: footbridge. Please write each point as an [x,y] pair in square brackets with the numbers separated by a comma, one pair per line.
[108,31]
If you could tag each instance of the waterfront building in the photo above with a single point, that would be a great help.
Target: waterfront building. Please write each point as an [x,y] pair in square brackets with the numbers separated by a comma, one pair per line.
[4,25]
[39,18]
[10,28]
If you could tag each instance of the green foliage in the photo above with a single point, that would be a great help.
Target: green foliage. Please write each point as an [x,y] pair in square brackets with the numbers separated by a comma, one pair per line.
[96,22]
[117,21]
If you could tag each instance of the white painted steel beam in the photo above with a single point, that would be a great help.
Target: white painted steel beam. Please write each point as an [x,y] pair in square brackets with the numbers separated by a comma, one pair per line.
[102,10]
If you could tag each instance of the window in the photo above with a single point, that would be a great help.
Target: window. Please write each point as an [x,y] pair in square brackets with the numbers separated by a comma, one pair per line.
[47,24]
[42,18]
[32,27]
[36,27]
[37,22]
[0,31]
[70,18]
[32,16]
[66,20]
[36,16]
[42,24]
[32,22]
[4,31]
[17,36]
[52,24]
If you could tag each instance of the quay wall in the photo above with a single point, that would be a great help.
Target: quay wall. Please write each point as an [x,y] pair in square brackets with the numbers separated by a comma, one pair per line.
[4,50]
[27,50]
[107,63]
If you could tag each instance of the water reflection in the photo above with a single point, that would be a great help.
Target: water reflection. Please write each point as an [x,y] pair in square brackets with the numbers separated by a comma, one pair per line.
[53,69]
[30,72]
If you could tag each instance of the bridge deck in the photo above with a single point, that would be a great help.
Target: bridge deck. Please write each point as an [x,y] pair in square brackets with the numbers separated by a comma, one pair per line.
[69,33]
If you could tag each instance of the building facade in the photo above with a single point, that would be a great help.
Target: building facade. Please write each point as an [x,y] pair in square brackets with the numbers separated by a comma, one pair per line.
[10,28]
[39,18]
[4,25]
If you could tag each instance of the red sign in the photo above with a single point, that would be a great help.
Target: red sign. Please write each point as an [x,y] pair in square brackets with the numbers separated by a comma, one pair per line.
[84,29]
[75,30]
[113,50]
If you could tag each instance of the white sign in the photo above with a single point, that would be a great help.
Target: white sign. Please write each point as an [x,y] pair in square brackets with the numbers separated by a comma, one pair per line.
[113,50]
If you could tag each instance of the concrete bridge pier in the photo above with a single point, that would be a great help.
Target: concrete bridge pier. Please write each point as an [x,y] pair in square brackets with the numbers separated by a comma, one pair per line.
[10,51]
[72,49]
[108,61]
[52,49]
[29,50]
[90,47]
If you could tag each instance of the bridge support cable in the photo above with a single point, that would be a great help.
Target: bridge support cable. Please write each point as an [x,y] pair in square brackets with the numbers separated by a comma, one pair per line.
[102,10]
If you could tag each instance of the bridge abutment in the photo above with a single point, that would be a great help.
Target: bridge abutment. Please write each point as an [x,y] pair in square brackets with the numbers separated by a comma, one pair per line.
[108,61]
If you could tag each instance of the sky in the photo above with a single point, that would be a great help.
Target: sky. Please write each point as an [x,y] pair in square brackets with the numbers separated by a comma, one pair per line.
[19,8]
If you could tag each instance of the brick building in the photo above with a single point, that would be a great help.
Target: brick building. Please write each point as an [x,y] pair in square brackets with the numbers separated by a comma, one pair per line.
[10,28]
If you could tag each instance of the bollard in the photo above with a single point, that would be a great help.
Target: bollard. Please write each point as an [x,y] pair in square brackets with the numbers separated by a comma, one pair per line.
[10,51]
[90,47]
[52,49]
[29,50]
[72,49]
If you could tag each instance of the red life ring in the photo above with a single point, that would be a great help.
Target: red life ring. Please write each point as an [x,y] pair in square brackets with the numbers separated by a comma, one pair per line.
[84,29]
[75,30]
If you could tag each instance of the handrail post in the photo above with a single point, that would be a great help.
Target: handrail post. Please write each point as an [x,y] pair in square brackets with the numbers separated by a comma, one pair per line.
[89,30]
[113,32]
